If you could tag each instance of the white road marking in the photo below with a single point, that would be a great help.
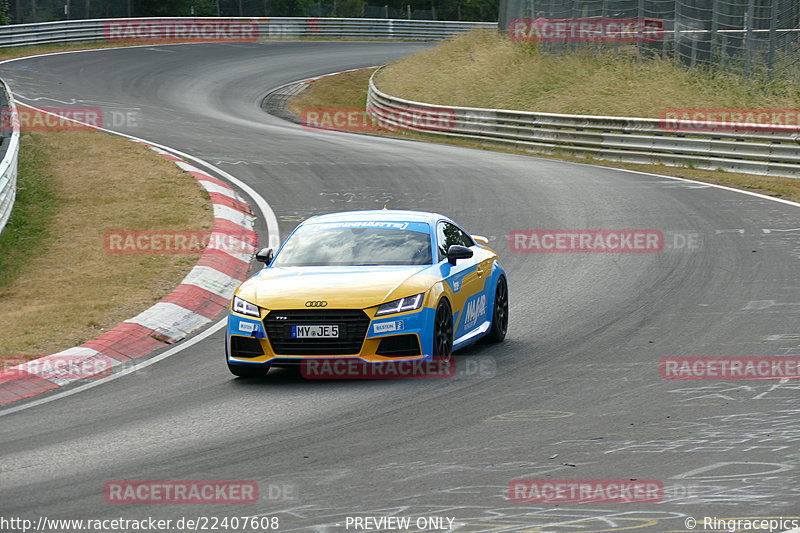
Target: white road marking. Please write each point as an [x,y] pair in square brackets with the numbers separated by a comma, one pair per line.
[153,360]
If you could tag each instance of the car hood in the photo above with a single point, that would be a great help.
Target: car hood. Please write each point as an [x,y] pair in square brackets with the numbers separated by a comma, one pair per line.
[340,287]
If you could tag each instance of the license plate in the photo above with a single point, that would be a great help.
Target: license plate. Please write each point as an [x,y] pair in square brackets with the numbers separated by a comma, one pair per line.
[315,332]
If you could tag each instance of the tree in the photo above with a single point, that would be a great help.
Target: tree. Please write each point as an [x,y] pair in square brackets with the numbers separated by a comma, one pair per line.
[204,8]
[163,8]
[5,16]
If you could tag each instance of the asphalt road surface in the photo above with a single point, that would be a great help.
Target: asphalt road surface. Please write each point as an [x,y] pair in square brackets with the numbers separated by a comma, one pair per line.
[573,393]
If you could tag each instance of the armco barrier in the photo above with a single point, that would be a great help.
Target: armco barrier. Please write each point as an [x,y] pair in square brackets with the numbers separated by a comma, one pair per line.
[267,28]
[10,154]
[634,140]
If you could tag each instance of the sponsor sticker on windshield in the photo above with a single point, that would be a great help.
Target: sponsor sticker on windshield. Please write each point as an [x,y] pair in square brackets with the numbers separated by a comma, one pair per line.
[421,227]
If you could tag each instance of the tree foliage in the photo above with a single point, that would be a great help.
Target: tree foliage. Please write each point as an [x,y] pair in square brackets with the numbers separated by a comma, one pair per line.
[46,10]
[163,8]
[5,16]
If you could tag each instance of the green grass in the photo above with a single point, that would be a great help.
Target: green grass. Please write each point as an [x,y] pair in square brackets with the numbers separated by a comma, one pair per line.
[349,90]
[29,224]
[60,283]
[486,69]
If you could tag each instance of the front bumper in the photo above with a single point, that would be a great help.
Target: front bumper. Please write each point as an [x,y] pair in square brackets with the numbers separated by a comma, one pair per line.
[398,337]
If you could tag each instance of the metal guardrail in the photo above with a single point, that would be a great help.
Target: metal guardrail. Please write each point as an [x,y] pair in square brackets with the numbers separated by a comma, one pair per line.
[267,28]
[633,140]
[169,30]
[10,154]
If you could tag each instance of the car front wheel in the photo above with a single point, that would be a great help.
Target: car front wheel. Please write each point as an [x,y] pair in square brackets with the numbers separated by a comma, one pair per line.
[443,330]
[500,312]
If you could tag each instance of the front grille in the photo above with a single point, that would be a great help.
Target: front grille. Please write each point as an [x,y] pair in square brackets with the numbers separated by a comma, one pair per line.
[399,345]
[353,325]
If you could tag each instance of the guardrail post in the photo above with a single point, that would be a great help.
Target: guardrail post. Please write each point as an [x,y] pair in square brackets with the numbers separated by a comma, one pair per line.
[748,36]
[676,47]
[773,24]
[715,32]
[640,16]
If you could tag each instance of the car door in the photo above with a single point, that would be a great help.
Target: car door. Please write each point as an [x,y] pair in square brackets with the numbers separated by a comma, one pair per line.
[466,278]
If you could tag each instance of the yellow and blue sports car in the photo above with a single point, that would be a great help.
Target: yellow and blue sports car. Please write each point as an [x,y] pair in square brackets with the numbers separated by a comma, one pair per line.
[375,286]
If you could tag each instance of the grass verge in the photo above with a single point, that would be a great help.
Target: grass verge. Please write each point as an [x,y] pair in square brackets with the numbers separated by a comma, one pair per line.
[12,52]
[33,209]
[486,69]
[349,91]
[59,286]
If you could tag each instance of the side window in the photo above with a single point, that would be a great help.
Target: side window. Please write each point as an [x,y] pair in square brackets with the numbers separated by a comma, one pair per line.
[466,239]
[447,234]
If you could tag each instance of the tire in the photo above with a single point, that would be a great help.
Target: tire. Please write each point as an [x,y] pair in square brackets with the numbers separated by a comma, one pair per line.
[248,371]
[443,330]
[499,313]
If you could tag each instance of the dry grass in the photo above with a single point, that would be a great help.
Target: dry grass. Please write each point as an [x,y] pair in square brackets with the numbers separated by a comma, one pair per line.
[346,90]
[486,69]
[70,289]
[11,52]
[349,90]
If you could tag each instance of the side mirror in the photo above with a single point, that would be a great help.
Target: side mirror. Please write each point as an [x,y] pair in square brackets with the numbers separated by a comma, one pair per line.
[456,251]
[265,255]
[481,239]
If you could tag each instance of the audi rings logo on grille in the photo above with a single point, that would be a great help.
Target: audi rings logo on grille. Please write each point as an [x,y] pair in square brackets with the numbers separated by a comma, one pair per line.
[316,303]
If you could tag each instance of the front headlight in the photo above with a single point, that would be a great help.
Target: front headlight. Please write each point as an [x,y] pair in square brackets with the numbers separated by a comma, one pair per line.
[245,308]
[409,303]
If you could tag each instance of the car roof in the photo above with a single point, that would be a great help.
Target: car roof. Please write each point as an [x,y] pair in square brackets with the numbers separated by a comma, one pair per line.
[394,215]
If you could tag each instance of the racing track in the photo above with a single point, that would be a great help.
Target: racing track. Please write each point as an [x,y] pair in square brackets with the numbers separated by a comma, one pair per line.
[576,392]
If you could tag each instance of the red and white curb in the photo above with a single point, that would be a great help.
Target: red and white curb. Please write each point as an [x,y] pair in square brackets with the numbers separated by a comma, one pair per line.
[202,295]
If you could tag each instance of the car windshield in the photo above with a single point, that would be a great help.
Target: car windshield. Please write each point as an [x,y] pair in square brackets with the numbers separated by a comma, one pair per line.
[357,244]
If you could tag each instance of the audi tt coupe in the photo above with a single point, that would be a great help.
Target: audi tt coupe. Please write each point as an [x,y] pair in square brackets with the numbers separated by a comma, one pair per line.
[375,286]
